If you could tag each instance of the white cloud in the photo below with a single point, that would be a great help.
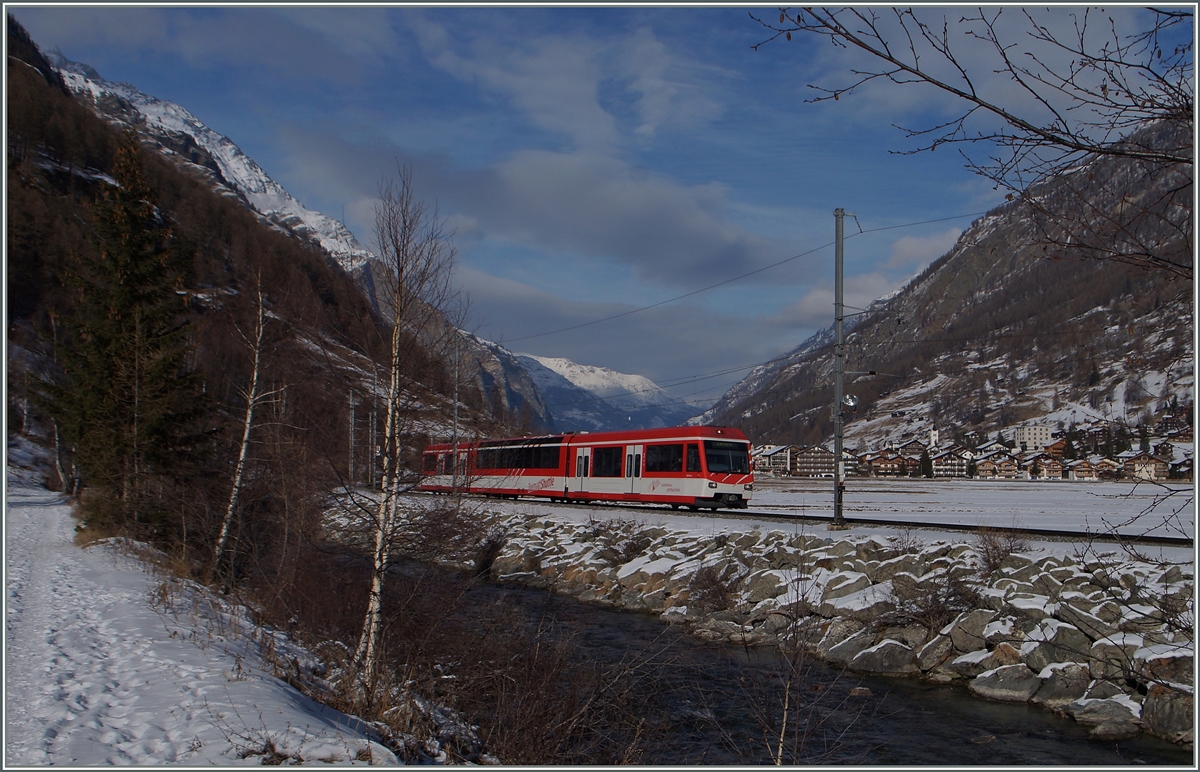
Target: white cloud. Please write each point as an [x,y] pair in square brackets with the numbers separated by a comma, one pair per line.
[913,253]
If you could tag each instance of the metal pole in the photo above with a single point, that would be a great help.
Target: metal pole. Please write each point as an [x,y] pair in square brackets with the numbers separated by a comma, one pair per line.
[350,472]
[839,359]
[454,444]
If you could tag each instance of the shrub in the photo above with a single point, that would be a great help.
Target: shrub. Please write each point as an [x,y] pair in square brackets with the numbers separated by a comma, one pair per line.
[993,545]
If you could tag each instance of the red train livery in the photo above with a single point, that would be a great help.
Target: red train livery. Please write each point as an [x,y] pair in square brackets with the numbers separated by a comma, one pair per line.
[694,467]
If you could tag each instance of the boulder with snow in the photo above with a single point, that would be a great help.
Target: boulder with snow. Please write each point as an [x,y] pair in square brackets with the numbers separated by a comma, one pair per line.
[1010,683]
[1062,683]
[886,658]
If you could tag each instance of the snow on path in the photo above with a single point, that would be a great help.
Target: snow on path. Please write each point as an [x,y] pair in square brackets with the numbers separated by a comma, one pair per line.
[95,675]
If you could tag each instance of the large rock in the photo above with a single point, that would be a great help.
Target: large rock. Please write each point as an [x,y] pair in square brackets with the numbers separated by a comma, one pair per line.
[1114,729]
[1005,629]
[1092,626]
[886,658]
[1112,657]
[1011,683]
[767,584]
[935,652]
[975,663]
[844,583]
[1095,712]
[838,631]
[881,572]
[847,650]
[866,605]
[1054,641]
[1062,683]
[967,630]
[1168,713]
[1165,662]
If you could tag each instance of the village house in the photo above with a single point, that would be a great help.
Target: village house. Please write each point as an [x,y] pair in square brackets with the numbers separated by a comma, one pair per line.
[1056,448]
[1144,466]
[778,460]
[1106,468]
[1042,466]
[814,461]
[1081,469]
[950,463]
[996,466]
[884,463]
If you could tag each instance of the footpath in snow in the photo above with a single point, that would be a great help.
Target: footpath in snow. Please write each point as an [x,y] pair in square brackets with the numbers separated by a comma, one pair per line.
[99,671]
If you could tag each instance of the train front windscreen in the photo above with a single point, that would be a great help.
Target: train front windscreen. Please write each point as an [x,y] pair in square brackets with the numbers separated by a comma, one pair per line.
[724,457]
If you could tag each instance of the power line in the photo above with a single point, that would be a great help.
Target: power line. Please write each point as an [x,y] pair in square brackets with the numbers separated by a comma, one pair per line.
[733,279]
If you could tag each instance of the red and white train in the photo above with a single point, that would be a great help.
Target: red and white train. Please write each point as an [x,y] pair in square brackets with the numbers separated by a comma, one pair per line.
[694,467]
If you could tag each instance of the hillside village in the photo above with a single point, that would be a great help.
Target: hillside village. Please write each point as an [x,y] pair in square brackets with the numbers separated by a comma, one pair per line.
[1160,452]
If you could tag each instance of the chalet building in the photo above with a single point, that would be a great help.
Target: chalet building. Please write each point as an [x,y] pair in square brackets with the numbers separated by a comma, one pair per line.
[1047,467]
[950,463]
[1081,469]
[814,462]
[1056,448]
[883,464]
[1144,466]
[779,460]
[996,466]
[1181,470]
[1184,435]
[1106,468]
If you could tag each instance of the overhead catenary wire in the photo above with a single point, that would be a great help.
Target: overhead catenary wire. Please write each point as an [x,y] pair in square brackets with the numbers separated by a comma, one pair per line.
[739,277]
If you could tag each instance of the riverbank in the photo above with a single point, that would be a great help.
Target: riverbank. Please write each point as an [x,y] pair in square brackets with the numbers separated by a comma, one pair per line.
[1092,634]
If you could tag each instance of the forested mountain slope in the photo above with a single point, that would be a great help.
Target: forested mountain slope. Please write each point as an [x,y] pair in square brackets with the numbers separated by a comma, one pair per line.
[1011,326]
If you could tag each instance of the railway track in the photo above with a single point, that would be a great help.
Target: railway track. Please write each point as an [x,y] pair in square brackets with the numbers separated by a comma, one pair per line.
[780,517]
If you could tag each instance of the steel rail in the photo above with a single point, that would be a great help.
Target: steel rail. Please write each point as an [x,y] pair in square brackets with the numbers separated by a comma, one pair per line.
[1050,534]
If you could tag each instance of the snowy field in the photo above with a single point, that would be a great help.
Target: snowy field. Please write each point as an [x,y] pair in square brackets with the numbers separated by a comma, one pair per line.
[1087,507]
[99,670]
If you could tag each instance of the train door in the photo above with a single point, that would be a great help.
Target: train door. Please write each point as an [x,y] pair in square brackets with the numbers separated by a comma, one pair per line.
[583,458]
[633,468]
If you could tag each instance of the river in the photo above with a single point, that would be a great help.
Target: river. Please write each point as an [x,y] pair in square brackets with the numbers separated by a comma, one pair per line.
[707,697]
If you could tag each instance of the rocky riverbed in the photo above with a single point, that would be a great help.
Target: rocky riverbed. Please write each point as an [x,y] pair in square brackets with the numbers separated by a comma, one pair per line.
[1100,637]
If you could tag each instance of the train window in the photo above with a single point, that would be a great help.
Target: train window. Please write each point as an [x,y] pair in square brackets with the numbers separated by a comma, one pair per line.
[431,462]
[637,464]
[667,458]
[521,457]
[606,462]
[727,457]
[693,457]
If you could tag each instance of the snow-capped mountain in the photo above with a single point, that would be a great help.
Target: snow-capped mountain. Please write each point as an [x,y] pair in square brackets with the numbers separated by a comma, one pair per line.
[590,398]
[178,131]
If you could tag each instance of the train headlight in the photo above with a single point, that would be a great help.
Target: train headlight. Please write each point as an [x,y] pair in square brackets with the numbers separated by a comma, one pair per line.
[712,484]
[748,487]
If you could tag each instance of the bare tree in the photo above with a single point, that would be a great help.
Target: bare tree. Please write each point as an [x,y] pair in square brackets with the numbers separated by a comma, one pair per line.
[1053,101]
[254,397]
[418,253]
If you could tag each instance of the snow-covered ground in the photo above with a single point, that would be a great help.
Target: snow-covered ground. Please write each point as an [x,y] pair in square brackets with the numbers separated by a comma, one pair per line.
[102,666]
[1002,504]
[1087,507]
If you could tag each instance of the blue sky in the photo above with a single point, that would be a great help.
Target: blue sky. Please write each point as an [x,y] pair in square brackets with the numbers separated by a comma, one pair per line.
[592,161]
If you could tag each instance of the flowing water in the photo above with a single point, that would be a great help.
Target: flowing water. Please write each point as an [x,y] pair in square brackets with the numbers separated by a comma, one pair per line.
[712,696]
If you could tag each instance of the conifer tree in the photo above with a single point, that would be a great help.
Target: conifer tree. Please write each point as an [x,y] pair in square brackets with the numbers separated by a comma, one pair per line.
[128,397]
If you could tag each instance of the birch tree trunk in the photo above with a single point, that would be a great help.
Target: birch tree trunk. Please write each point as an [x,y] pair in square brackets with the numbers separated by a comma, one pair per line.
[418,253]
[252,400]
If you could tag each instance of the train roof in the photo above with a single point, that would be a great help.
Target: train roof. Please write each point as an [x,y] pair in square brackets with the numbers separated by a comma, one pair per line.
[631,435]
